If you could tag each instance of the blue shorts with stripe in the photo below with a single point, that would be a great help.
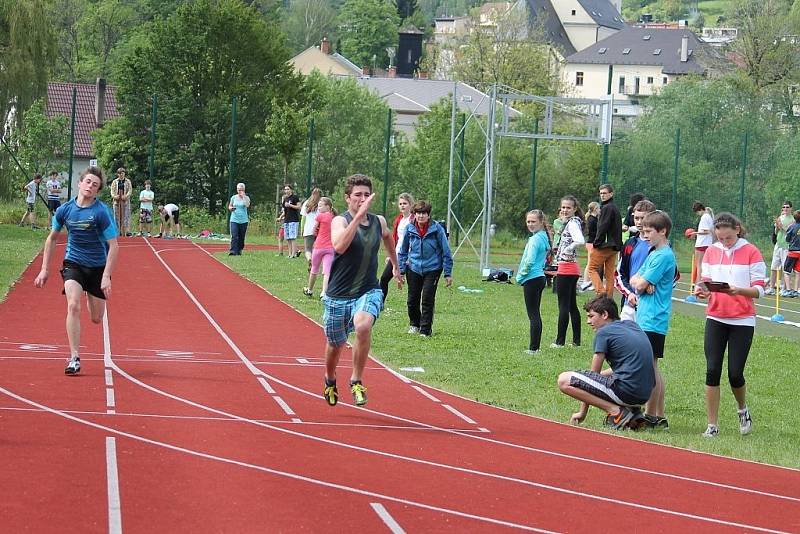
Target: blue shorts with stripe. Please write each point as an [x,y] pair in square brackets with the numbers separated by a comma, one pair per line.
[339,313]
[604,387]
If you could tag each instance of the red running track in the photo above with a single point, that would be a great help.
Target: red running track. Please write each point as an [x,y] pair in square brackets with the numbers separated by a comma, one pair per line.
[199,410]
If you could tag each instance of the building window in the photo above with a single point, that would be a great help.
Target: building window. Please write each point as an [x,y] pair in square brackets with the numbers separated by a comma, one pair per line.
[636,85]
[664,80]
[578,78]
[621,85]
[649,80]
[573,12]
[626,51]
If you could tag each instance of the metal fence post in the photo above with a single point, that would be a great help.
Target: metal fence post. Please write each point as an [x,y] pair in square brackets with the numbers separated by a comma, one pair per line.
[71,142]
[387,148]
[232,156]
[744,169]
[309,162]
[151,164]
[533,165]
[675,170]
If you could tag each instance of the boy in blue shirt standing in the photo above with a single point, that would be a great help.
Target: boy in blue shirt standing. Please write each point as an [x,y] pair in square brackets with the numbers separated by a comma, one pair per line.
[89,259]
[653,283]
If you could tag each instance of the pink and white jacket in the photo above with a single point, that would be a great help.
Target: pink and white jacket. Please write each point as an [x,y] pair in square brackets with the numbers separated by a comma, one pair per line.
[742,266]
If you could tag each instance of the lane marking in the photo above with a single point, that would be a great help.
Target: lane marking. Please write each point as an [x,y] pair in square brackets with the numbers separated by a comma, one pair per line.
[303,361]
[296,420]
[109,378]
[265,384]
[457,432]
[458,414]
[387,518]
[283,405]
[425,393]
[112,476]
[294,476]
[110,397]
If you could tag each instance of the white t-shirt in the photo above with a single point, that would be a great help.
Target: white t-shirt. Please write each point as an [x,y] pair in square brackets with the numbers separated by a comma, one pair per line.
[401,231]
[31,187]
[51,185]
[170,208]
[311,220]
[146,199]
[706,223]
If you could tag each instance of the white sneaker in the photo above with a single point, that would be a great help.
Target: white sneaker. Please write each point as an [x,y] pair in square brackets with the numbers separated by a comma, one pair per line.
[745,422]
[587,286]
[530,352]
[73,366]
[711,432]
[770,291]
[556,346]
[413,330]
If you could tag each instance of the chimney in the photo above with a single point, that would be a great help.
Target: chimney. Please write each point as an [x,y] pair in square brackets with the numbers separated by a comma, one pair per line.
[684,48]
[392,71]
[325,46]
[100,102]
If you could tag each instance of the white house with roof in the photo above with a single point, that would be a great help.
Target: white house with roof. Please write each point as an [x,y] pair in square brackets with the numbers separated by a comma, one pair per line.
[325,60]
[644,60]
[572,25]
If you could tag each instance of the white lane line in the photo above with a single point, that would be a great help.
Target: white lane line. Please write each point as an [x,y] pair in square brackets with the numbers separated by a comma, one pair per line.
[425,393]
[109,379]
[304,361]
[484,430]
[283,405]
[110,398]
[266,385]
[458,414]
[112,475]
[294,476]
[296,420]
[386,517]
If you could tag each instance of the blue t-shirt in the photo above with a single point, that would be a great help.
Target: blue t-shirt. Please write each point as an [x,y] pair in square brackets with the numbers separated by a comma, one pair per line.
[654,310]
[88,230]
[239,214]
[629,353]
[638,255]
[532,263]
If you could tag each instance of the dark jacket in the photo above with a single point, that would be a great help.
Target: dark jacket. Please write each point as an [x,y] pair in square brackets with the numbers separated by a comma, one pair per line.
[609,227]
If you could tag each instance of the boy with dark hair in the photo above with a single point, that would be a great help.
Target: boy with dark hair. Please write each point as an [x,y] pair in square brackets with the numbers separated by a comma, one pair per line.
[353,299]
[89,259]
[53,187]
[653,283]
[607,242]
[291,219]
[631,258]
[629,380]
[31,190]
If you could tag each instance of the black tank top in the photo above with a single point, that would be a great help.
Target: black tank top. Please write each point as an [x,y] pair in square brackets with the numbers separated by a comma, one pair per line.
[354,272]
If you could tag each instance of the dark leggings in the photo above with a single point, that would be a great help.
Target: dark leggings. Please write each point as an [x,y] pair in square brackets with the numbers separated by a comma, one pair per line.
[386,277]
[532,291]
[737,338]
[566,285]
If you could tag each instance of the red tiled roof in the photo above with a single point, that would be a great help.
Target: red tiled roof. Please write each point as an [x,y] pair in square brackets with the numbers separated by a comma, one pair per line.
[59,102]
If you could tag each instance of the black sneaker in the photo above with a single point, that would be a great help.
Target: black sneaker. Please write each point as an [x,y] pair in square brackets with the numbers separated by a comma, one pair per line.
[620,420]
[656,422]
[331,394]
[73,366]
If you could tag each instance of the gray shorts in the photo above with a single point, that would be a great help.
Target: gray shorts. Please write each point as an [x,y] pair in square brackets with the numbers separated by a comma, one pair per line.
[604,387]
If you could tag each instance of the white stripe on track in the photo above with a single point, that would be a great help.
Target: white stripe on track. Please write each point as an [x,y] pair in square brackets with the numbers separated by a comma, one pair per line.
[458,414]
[387,518]
[425,393]
[265,385]
[110,398]
[109,378]
[283,405]
[112,476]
[276,472]
[457,432]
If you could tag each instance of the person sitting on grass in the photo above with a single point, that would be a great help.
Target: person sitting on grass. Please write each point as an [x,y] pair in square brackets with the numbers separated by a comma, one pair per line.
[621,389]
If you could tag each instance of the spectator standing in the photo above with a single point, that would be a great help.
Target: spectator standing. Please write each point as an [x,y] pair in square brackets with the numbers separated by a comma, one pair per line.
[404,203]
[323,254]
[592,211]
[424,256]
[780,251]
[146,197]
[53,186]
[530,274]
[238,206]
[309,211]
[631,258]
[121,189]
[793,254]
[607,243]
[568,272]
[31,190]
[291,220]
[703,236]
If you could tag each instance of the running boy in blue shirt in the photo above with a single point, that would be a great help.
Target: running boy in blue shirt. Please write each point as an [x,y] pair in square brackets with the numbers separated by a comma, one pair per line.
[89,259]
[653,283]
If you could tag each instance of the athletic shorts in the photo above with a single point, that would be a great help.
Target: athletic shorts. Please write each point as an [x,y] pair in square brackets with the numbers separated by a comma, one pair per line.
[88,277]
[339,313]
[145,216]
[792,262]
[700,249]
[53,204]
[657,342]
[290,230]
[308,241]
[323,256]
[31,205]
[778,258]
[604,387]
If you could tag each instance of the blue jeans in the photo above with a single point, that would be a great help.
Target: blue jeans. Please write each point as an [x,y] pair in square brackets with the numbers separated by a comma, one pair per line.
[238,231]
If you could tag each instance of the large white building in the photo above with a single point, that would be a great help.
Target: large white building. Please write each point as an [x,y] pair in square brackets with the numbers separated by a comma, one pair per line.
[573,25]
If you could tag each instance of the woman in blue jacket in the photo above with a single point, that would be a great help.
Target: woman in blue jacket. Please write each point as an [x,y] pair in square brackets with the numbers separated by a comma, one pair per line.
[424,255]
[530,274]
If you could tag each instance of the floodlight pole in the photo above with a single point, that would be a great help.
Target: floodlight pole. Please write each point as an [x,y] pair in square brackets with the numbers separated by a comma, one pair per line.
[232,156]
[604,166]
[488,182]
[454,105]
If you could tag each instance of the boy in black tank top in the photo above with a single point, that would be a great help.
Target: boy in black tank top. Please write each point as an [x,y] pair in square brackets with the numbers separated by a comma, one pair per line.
[353,299]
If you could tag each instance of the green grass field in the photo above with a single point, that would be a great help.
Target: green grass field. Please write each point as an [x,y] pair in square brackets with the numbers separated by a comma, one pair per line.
[478,343]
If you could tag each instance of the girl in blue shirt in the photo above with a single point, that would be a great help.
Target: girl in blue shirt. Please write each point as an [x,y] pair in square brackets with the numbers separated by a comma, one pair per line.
[530,274]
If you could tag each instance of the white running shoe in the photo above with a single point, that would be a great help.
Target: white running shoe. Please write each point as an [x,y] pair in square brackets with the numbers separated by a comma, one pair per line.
[73,366]
[413,330]
[556,346]
[745,422]
[711,432]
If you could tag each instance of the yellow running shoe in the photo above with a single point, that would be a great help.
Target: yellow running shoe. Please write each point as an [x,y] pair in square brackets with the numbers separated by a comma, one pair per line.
[359,393]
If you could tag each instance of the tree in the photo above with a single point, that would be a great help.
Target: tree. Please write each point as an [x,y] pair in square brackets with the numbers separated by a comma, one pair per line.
[26,42]
[307,22]
[366,29]
[406,8]
[104,25]
[42,141]
[197,60]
